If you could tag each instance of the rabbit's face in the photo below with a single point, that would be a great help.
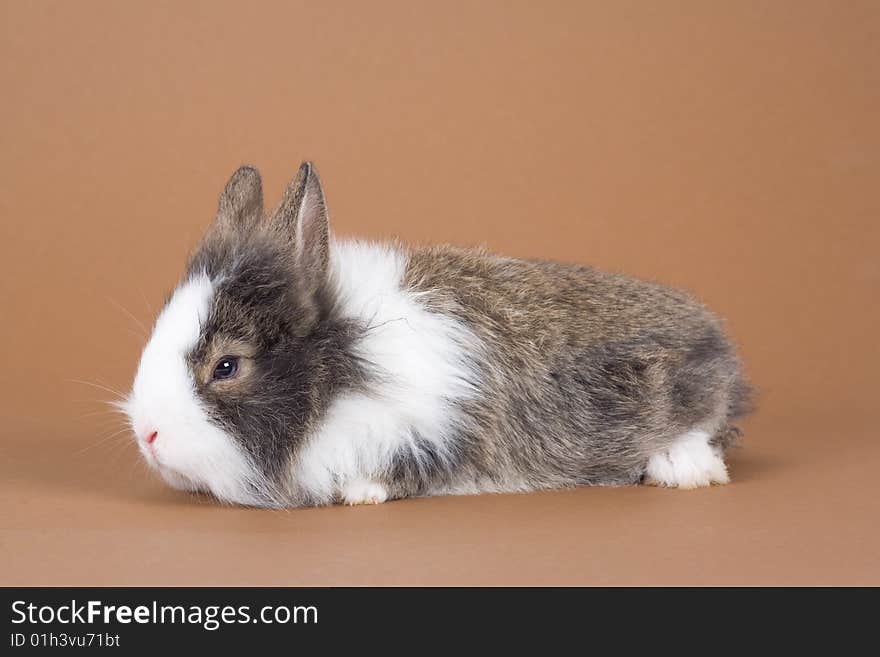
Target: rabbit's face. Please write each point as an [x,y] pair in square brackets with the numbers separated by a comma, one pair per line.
[244,357]
[176,431]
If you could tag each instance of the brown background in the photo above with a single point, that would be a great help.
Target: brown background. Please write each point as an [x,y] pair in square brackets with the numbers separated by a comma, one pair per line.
[727,147]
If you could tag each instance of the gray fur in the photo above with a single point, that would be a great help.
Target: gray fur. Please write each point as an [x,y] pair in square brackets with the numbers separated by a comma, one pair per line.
[587,374]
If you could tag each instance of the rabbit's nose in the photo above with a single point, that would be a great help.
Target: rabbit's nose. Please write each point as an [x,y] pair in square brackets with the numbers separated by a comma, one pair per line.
[151,438]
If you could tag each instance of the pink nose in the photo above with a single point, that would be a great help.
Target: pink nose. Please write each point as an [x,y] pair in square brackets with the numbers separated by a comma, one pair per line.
[152,437]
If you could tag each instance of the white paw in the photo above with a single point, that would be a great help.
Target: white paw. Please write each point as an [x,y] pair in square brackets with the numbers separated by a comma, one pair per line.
[690,462]
[363,491]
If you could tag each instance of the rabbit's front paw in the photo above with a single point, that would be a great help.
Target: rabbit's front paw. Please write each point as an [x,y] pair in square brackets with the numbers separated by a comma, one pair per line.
[363,491]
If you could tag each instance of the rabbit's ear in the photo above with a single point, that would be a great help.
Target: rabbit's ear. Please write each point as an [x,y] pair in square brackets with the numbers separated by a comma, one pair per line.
[241,203]
[302,217]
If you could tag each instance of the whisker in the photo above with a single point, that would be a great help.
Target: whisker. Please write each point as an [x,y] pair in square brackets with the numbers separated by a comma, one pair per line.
[146,303]
[125,310]
[104,383]
[118,449]
[103,440]
[110,413]
[99,387]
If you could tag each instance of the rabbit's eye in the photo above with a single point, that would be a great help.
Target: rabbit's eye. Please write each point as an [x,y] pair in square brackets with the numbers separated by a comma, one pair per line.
[226,368]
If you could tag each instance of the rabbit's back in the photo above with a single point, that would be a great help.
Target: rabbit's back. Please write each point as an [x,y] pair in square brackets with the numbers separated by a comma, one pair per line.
[585,375]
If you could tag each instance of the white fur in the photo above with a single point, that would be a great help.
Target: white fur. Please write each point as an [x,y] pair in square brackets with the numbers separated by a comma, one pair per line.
[423,361]
[190,452]
[690,462]
[362,491]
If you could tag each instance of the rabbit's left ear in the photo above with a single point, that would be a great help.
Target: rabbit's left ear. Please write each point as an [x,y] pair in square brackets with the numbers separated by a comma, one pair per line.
[302,216]
[241,203]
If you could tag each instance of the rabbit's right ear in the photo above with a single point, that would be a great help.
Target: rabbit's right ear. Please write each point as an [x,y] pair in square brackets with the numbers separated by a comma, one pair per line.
[241,203]
[302,219]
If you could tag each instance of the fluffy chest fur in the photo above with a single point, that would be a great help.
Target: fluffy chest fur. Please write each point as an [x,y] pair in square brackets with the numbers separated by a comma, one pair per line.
[422,366]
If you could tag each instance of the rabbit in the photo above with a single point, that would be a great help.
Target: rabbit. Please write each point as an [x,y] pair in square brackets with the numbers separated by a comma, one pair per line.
[291,368]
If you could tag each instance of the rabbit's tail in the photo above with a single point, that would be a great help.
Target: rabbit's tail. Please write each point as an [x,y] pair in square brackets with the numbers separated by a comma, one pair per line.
[742,402]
